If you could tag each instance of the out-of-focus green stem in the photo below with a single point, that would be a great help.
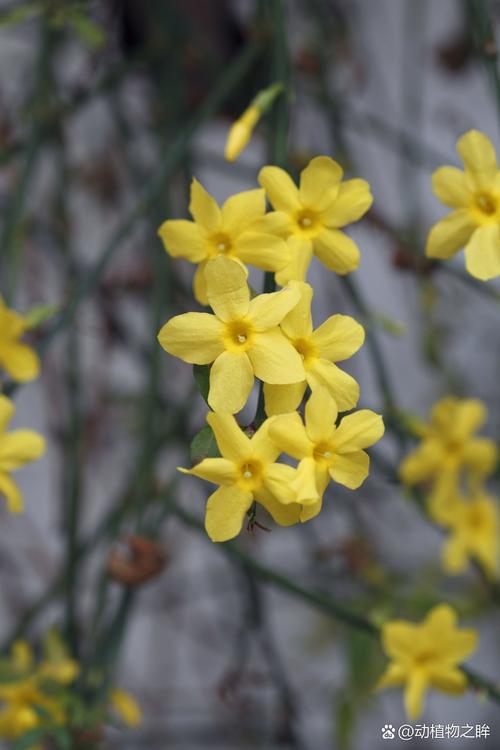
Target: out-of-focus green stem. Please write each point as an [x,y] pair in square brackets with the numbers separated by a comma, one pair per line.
[479,12]
[228,81]
[10,254]
[318,600]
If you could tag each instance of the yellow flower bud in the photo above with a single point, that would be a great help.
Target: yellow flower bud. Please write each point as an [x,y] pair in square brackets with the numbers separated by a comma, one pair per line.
[241,132]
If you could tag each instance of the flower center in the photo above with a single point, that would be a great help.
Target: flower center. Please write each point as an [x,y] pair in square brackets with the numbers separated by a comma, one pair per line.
[221,244]
[250,474]
[323,453]
[238,336]
[306,349]
[486,203]
[307,222]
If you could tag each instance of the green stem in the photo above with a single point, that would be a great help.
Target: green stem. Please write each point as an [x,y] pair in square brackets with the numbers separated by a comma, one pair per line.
[173,156]
[320,601]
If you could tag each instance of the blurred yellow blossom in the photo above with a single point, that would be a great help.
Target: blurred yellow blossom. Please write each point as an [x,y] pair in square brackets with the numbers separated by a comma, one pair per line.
[474,196]
[338,338]
[242,338]
[16,449]
[426,655]
[325,452]
[473,526]
[246,471]
[126,707]
[449,452]
[19,361]
[240,230]
[315,211]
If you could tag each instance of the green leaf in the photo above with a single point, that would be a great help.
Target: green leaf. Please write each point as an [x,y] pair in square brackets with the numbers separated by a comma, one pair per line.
[28,740]
[202,379]
[89,31]
[203,446]
[39,314]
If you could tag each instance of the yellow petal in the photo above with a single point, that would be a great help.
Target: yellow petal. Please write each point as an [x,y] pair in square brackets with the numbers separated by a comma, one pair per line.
[200,284]
[399,639]
[274,222]
[126,707]
[11,493]
[204,208]
[183,239]
[215,470]
[482,253]
[18,448]
[279,482]
[339,337]
[454,644]
[420,465]
[225,513]
[19,361]
[358,430]
[265,251]
[467,416]
[240,133]
[227,288]
[274,359]
[319,182]
[454,555]
[321,373]
[280,188]
[304,485]
[309,512]
[301,251]
[289,434]
[241,209]
[351,469]
[450,234]
[232,442]
[7,409]
[263,446]
[394,676]
[231,380]
[479,157]
[298,322]
[449,184]
[414,694]
[336,251]
[320,415]
[193,337]
[268,310]
[481,456]
[282,514]
[450,680]
[282,399]
[352,202]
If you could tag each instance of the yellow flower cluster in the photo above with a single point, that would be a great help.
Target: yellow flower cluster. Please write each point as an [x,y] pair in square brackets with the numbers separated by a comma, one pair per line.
[38,694]
[474,196]
[271,337]
[454,464]
[426,655]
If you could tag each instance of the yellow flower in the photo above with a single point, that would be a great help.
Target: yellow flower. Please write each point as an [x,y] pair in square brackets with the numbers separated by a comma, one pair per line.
[325,452]
[126,707]
[241,132]
[246,472]
[240,230]
[242,339]
[473,526]
[17,359]
[16,449]
[426,655]
[474,196]
[338,338]
[448,449]
[315,212]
